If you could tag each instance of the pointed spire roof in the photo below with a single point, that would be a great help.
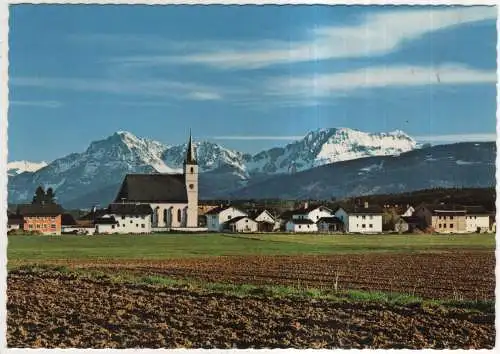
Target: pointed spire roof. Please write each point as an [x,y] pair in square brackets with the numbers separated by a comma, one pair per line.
[190,154]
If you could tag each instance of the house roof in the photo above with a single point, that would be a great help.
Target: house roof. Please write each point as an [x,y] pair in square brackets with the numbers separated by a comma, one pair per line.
[330,220]
[153,188]
[411,219]
[256,212]
[14,219]
[477,210]
[67,219]
[107,220]
[287,215]
[217,210]
[372,209]
[40,210]
[130,209]
[301,221]
[236,219]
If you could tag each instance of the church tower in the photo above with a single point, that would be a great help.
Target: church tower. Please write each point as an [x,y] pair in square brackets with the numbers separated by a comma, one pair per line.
[191,180]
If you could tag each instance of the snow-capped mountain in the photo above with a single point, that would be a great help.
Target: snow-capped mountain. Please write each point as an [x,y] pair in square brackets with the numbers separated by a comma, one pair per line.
[93,176]
[17,167]
[326,146]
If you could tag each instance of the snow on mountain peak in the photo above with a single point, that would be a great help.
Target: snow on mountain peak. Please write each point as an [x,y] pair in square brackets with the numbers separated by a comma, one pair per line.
[17,167]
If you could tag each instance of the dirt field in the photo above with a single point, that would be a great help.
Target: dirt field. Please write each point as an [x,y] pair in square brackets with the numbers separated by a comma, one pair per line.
[56,310]
[455,275]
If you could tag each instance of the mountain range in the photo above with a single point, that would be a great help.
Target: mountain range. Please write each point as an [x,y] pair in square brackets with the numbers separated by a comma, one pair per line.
[326,162]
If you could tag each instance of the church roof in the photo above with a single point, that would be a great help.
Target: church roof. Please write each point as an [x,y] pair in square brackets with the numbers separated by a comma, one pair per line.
[153,188]
[190,154]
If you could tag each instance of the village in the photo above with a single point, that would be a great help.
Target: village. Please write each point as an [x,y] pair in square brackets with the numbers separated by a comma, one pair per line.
[161,203]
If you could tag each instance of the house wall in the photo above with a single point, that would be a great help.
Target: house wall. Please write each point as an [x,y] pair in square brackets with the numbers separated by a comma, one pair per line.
[13,227]
[166,214]
[214,222]
[48,225]
[106,229]
[408,212]
[81,230]
[325,227]
[424,215]
[342,215]
[365,223]
[266,217]
[401,226]
[314,215]
[473,222]
[245,225]
[135,224]
[449,224]
[292,227]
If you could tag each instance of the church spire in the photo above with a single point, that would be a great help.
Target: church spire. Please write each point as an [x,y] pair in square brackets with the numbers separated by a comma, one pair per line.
[190,155]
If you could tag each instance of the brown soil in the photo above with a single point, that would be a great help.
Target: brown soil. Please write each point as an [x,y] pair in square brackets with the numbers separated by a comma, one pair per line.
[457,275]
[54,310]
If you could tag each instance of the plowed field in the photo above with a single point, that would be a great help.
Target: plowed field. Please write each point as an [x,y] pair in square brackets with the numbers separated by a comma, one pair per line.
[453,275]
[57,310]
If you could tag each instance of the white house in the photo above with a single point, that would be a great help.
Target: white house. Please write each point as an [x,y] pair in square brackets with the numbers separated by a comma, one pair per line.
[217,218]
[361,219]
[301,225]
[265,220]
[313,213]
[172,197]
[131,218]
[106,225]
[477,219]
[242,224]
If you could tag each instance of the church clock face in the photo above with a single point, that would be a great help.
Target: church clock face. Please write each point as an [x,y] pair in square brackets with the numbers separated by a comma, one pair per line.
[191,186]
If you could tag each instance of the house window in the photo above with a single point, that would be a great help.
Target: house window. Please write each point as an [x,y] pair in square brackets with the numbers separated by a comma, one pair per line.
[451,225]
[363,217]
[307,226]
[475,217]
[123,225]
[53,219]
[444,226]
[37,226]
[300,226]
[123,217]
[363,226]
[53,226]
[371,217]
[44,226]
[112,226]
[143,226]
[136,225]
[370,226]
[451,217]
[179,215]
[131,221]
[439,217]
[229,217]
[30,226]
[439,225]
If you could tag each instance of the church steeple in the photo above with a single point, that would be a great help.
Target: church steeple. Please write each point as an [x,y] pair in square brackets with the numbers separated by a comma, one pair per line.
[190,154]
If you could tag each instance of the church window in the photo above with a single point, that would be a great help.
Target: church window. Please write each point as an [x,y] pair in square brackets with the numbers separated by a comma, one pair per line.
[179,215]
[192,170]
[165,215]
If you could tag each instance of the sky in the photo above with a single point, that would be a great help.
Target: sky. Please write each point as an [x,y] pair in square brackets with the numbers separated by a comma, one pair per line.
[247,77]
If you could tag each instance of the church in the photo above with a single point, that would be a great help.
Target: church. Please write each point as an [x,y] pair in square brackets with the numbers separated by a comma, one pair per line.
[173,197]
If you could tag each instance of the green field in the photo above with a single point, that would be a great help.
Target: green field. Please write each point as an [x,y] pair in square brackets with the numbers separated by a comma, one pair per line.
[162,246]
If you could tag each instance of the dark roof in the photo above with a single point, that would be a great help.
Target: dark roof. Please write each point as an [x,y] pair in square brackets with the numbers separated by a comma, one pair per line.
[108,220]
[477,209]
[130,209]
[371,209]
[256,212]
[91,215]
[40,210]
[149,188]
[216,210]
[236,219]
[331,220]
[67,219]
[302,221]
[411,219]
[14,219]
[287,215]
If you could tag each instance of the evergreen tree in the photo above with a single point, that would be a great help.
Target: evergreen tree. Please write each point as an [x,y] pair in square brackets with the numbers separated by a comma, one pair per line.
[39,197]
[50,196]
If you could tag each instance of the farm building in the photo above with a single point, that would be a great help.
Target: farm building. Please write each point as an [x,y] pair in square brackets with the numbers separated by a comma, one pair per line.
[330,224]
[220,215]
[172,197]
[477,219]
[265,220]
[131,218]
[43,218]
[241,224]
[106,225]
[301,225]
[361,219]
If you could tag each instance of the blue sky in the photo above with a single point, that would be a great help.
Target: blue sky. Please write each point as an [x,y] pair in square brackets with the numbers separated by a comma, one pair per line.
[248,77]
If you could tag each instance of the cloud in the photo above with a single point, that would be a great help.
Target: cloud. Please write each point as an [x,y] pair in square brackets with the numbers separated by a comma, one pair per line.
[327,84]
[42,104]
[376,34]
[144,87]
[452,138]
